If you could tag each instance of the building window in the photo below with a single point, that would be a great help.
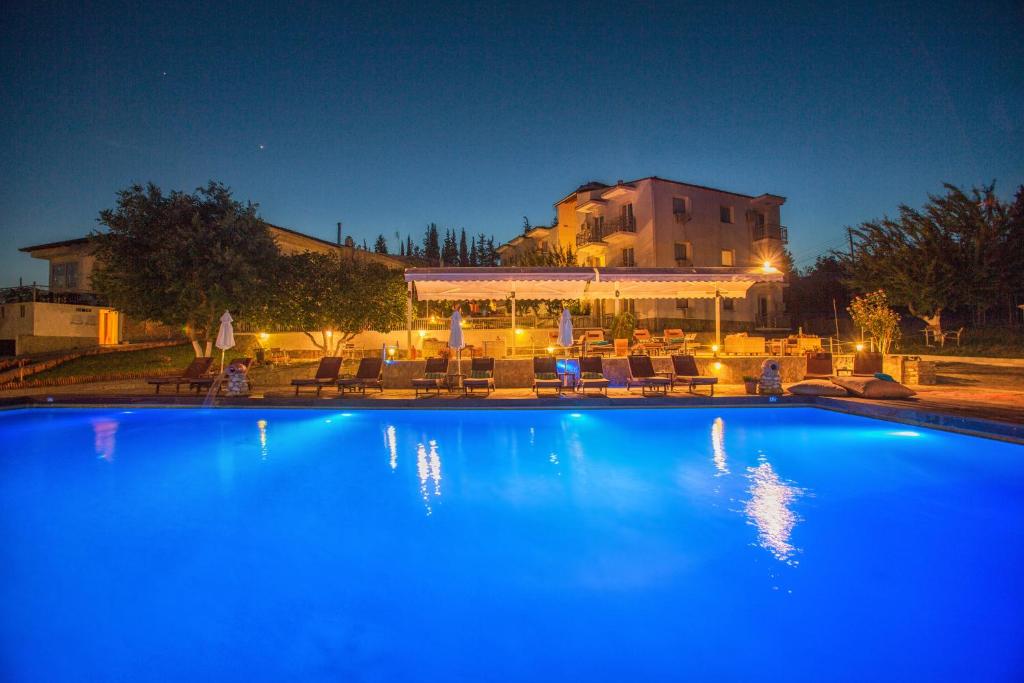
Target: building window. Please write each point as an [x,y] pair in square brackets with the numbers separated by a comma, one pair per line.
[725,214]
[684,253]
[679,205]
[23,310]
[728,305]
[626,218]
[728,257]
[64,275]
[627,258]
[682,304]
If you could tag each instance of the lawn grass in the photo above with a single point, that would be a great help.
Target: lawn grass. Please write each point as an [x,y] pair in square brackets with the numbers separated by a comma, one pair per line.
[157,360]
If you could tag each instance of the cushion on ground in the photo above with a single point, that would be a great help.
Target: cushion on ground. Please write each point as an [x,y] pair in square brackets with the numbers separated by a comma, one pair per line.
[871,387]
[817,387]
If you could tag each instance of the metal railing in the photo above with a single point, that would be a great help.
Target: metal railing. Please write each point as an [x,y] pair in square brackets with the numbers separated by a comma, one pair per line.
[595,233]
[771,231]
[41,294]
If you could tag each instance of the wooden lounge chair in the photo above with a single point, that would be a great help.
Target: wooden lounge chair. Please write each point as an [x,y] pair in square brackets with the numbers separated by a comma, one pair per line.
[684,371]
[674,339]
[594,342]
[592,375]
[545,375]
[644,341]
[435,377]
[195,370]
[369,375]
[642,374]
[481,376]
[326,374]
[819,365]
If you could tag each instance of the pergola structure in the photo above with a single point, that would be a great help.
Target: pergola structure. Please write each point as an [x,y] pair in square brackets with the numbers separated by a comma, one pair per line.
[467,284]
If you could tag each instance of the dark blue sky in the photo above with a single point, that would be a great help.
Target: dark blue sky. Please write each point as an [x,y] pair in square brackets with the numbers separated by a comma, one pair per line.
[389,116]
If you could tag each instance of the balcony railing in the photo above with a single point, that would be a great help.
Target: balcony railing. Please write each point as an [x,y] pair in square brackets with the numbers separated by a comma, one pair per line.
[771,231]
[595,233]
[40,294]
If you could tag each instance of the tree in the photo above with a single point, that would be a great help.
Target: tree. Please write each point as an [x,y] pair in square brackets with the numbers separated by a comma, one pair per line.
[487,255]
[331,299]
[463,250]
[474,258]
[951,252]
[381,245]
[810,295]
[431,244]
[182,259]
[872,314]
[526,225]
[450,249]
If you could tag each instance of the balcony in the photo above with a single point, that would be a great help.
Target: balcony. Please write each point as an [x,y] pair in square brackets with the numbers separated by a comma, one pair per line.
[607,230]
[589,236]
[771,231]
[42,294]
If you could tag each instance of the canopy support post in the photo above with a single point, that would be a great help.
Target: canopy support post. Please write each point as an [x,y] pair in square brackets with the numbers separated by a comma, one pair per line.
[512,351]
[408,319]
[718,319]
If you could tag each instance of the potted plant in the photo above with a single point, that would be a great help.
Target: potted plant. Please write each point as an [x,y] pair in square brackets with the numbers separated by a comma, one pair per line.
[750,384]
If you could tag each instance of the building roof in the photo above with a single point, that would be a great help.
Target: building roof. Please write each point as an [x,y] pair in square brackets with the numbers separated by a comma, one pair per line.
[459,284]
[54,245]
[594,185]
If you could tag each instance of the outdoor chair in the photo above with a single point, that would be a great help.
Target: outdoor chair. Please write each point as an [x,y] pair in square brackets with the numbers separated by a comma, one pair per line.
[955,336]
[369,375]
[621,347]
[645,341]
[674,338]
[434,378]
[326,374]
[207,382]
[195,370]
[594,342]
[819,365]
[684,371]
[481,376]
[545,375]
[592,375]
[642,374]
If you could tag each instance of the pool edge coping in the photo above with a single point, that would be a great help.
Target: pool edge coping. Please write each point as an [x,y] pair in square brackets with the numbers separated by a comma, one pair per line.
[931,419]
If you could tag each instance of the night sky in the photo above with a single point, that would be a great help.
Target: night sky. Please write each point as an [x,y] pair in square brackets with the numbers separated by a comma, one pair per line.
[390,116]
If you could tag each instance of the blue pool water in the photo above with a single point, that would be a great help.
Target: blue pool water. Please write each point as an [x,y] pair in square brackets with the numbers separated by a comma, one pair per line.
[295,545]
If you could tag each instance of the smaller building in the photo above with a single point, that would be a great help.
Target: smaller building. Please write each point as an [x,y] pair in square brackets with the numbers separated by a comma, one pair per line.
[67,313]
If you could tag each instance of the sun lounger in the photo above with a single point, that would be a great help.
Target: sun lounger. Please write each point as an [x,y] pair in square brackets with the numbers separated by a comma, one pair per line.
[642,374]
[545,375]
[326,374]
[369,375]
[435,377]
[481,376]
[592,375]
[195,370]
[684,371]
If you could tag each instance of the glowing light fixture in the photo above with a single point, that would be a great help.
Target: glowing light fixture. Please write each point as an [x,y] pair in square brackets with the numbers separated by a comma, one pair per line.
[422,333]
[551,349]
[714,348]
[519,330]
[859,347]
[718,365]
[391,350]
[330,333]
[264,336]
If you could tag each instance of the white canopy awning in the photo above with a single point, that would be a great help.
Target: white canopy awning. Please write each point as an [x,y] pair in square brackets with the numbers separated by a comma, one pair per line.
[457,284]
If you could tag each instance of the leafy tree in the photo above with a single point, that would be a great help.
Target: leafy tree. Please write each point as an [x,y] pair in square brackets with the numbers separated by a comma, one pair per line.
[952,252]
[431,244]
[381,245]
[463,250]
[331,299]
[810,295]
[182,259]
[550,258]
[526,225]
[871,313]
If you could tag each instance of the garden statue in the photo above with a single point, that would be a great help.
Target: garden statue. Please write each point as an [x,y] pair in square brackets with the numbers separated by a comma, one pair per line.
[238,381]
[771,380]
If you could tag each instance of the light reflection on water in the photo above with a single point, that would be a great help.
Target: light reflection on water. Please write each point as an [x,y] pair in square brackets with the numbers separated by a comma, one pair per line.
[391,441]
[105,438]
[261,425]
[768,509]
[718,446]
[428,467]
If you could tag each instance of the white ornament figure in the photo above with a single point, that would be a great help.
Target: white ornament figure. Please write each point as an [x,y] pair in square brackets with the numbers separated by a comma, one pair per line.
[771,380]
[238,382]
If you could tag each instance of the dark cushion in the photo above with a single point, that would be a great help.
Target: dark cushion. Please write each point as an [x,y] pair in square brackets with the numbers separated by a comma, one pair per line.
[871,387]
[817,387]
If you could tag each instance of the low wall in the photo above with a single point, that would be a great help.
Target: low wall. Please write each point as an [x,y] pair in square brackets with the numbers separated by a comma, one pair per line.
[518,372]
[33,344]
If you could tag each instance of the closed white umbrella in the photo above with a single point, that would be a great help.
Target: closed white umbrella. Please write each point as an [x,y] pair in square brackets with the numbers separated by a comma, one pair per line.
[565,329]
[455,338]
[225,337]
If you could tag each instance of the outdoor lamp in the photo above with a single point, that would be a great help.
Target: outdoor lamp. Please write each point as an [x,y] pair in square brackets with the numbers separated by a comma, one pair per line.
[422,333]
[264,336]
[519,330]
[391,350]
[714,348]
[551,349]
[718,365]
[859,347]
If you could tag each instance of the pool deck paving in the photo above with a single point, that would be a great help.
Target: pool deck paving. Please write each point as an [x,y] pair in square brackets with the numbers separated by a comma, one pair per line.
[995,412]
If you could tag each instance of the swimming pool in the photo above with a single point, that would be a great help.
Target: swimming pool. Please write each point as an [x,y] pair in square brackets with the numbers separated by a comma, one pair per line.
[387,545]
